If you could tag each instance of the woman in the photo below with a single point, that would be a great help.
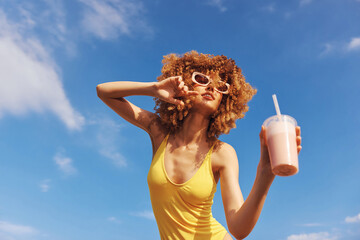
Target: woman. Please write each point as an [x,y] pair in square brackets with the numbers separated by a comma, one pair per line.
[198,97]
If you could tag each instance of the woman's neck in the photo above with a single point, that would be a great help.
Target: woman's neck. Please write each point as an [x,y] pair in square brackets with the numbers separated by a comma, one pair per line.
[193,130]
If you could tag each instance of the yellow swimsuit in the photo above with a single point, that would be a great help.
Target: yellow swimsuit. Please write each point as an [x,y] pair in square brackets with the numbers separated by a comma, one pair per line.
[183,211]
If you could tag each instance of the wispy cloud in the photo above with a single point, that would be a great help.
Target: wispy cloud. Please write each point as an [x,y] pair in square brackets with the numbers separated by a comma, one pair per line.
[355,219]
[354,44]
[47,17]
[117,158]
[144,214]
[327,48]
[288,15]
[341,231]
[342,47]
[305,2]
[218,4]
[55,11]
[311,225]
[107,135]
[45,185]
[114,220]
[65,164]
[109,19]
[37,87]
[14,230]
[313,236]
[269,8]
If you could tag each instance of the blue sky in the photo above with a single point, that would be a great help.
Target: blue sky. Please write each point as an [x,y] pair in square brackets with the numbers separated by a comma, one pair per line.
[72,169]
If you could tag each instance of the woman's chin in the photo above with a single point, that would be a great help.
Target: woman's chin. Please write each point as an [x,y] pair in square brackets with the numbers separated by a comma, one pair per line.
[205,109]
[204,105]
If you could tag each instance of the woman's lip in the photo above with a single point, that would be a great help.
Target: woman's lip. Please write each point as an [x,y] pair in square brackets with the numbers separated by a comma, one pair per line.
[208,96]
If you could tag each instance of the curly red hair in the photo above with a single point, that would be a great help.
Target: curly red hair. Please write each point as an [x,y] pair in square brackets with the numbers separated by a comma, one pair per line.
[233,105]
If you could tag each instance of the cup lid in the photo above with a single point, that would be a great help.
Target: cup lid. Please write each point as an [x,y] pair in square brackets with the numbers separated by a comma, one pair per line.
[281,118]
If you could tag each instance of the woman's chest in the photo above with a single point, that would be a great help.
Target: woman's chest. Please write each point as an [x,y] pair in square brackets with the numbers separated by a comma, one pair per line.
[181,165]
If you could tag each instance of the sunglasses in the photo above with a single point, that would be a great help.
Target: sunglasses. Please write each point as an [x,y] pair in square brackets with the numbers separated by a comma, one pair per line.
[203,80]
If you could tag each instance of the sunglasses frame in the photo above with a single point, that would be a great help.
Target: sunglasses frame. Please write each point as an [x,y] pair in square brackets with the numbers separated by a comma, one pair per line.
[210,80]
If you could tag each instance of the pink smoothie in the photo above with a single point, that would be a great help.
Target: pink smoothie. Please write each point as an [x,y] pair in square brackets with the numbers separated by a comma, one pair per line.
[281,140]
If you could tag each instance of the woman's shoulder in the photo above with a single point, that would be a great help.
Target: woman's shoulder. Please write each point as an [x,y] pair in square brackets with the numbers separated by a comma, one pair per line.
[224,154]
[223,148]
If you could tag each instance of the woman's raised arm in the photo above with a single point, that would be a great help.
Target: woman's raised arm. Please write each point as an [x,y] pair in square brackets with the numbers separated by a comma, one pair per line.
[113,93]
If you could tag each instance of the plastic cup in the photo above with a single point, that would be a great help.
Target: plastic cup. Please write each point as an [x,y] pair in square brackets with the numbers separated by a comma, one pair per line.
[281,141]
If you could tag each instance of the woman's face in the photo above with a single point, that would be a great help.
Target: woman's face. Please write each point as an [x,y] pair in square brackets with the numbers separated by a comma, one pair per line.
[208,99]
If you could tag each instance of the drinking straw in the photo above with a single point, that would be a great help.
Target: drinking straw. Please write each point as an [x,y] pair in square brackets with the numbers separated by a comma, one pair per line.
[276,105]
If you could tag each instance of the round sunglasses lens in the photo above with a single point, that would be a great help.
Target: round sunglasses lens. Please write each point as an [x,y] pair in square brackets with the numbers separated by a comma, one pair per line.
[222,87]
[201,79]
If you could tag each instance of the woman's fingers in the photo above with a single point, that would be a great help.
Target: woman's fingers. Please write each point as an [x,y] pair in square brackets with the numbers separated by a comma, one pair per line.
[179,78]
[180,89]
[298,139]
[183,89]
[192,93]
[173,82]
[181,85]
[186,91]
[299,149]
[262,135]
[176,101]
[261,131]
[180,82]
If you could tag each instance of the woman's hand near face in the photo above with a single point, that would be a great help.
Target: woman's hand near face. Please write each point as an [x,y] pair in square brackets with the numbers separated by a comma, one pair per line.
[171,88]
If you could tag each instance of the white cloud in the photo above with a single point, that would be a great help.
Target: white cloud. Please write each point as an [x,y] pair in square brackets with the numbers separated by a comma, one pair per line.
[355,219]
[26,18]
[17,230]
[343,231]
[29,77]
[114,220]
[312,236]
[48,16]
[354,44]
[117,158]
[104,136]
[144,214]
[218,4]
[65,164]
[108,19]
[311,224]
[341,47]
[328,48]
[107,136]
[305,2]
[45,185]
[269,8]
[55,11]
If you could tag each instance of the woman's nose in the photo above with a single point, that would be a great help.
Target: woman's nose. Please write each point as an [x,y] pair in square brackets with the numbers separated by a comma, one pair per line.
[210,87]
